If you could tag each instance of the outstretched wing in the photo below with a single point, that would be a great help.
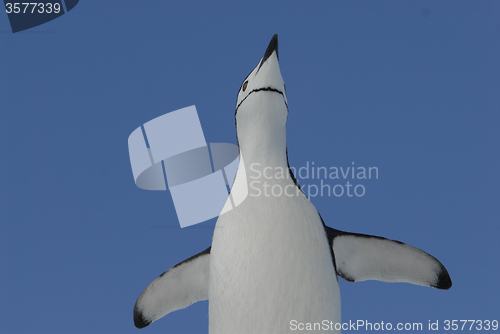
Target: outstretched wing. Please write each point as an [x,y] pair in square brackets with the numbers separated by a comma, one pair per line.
[361,257]
[182,285]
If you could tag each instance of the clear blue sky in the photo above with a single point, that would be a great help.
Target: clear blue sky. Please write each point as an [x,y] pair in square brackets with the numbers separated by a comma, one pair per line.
[411,87]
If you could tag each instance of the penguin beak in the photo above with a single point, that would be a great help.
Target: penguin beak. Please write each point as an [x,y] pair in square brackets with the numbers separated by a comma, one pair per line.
[273,46]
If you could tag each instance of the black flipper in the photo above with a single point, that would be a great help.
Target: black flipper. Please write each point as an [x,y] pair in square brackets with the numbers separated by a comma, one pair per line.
[361,257]
[182,285]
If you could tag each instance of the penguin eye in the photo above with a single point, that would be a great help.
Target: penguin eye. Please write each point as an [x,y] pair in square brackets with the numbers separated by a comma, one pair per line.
[245,85]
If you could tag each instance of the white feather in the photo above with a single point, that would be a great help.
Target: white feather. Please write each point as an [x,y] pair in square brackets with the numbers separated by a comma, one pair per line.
[177,288]
[361,258]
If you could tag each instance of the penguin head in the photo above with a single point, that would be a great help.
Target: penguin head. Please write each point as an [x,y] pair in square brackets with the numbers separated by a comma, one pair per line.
[266,77]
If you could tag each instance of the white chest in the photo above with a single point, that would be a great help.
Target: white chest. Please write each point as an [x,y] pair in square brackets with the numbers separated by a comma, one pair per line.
[270,265]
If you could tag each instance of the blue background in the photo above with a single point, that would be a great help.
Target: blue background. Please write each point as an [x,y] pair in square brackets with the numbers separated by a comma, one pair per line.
[411,87]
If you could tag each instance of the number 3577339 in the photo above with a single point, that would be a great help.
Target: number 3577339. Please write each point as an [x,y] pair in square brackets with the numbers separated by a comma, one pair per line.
[32,7]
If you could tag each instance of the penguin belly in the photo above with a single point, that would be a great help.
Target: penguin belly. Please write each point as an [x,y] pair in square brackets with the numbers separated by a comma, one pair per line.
[271,267]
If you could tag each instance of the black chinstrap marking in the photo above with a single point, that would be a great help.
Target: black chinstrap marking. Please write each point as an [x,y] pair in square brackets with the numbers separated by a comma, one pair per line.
[265,89]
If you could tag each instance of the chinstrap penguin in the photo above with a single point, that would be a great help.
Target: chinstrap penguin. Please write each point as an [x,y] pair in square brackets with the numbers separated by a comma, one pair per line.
[272,258]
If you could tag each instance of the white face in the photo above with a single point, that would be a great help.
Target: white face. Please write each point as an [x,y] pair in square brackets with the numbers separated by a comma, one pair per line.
[265,77]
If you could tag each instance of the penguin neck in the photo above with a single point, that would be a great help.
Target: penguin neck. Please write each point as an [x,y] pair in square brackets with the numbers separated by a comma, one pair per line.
[261,131]
[265,148]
